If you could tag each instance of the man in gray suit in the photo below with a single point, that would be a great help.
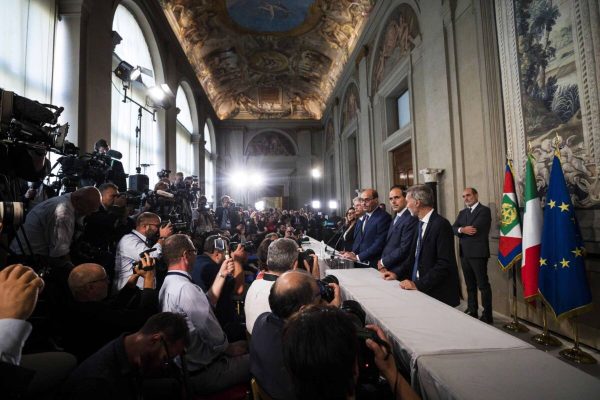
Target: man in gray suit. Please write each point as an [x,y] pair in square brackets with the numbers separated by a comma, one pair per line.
[472,226]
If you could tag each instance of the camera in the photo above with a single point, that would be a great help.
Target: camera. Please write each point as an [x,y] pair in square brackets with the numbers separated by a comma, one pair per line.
[326,291]
[163,173]
[12,213]
[368,372]
[138,264]
[305,255]
[247,246]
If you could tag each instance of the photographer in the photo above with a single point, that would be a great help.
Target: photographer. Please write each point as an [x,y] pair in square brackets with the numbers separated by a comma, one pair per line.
[48,230]
[147,234]
[212,263]
[116,173]
[92,320]
[282,256]
[203,219]
[327,368]
[226,216]
[292,291]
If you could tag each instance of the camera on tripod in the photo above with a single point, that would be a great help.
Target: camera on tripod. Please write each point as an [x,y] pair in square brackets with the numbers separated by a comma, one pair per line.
[28,122]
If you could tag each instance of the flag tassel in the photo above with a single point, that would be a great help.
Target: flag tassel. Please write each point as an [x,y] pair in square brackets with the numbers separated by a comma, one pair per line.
[575,354]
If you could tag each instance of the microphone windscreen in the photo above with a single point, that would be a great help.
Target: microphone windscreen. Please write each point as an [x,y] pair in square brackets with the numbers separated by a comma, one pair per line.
[114,154]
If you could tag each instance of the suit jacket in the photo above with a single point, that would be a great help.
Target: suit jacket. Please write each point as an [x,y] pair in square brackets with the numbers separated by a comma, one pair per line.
[476,246]
[369,243]
[398,240]
[438,272]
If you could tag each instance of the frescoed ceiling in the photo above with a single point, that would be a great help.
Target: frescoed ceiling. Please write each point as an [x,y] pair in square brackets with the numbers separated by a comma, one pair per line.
[268,59]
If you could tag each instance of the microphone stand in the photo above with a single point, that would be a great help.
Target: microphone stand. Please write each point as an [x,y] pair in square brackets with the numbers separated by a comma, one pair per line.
[339,231]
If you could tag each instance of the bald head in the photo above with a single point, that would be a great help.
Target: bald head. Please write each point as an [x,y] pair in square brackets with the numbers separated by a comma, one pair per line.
[291,291]
[369,199]
[86,200]
[88,282]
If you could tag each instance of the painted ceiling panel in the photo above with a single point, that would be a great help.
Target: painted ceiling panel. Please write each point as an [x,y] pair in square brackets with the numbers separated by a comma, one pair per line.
[268,59]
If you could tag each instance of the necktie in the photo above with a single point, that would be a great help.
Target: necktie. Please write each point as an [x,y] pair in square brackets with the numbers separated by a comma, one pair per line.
[418,252]
[365,222]
[396,219]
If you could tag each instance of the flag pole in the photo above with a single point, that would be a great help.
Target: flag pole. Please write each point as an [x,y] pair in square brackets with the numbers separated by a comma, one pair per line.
[544,338]
[515,325]
[575,354]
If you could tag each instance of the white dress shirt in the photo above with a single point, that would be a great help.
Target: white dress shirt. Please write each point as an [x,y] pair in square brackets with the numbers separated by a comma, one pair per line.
[181,296]
[49,227]
[13,334]
[257,301]
[128,251]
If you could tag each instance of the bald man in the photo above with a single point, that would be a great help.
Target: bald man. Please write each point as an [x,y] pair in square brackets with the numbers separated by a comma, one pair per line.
[291,292]
[92,320]
[49,226]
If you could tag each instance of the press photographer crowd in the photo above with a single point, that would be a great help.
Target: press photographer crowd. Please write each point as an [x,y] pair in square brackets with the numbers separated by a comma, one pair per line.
[112,289]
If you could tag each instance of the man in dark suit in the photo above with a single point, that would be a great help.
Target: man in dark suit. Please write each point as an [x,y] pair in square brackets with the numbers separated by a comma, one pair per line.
[472,226]
[370,235]
[431,267]
[399,236]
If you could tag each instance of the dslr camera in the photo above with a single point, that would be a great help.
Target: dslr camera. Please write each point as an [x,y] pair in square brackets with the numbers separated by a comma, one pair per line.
[326,291]
[305,255]
[138,264]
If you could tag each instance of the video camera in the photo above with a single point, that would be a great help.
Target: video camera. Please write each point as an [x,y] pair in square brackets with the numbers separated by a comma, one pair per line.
[28,122]
[163,173]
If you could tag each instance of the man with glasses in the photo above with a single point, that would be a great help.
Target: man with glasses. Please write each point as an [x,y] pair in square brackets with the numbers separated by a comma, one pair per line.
[147,234]
[91,320]
[214,364]
[126,367]
[370,235]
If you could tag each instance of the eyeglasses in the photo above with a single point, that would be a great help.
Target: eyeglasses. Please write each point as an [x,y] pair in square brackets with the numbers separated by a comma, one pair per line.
[366,200]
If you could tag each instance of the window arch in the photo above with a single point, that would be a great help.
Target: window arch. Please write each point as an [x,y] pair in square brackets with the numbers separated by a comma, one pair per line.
[185,129]
[125,116]
[209,162]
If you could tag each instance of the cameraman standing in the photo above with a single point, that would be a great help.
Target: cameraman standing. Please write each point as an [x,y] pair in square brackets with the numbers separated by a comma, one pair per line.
[147,234]
[206,268]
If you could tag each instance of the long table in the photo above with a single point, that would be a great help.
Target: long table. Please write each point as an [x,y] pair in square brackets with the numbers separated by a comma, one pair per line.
[441,346]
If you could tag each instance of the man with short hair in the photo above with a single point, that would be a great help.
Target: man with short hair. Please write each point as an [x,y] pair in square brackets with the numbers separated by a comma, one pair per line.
[370,236]
[92,320]
[400,235]
[49,226]
[327,368]
[282,256]
[292,291]
[116,174]
[147,234]
[120,369]
[472,226]
[431,267]
[213,363]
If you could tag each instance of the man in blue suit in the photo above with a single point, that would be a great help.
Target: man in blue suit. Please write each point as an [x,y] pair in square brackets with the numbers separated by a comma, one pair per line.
[399,236]
[370,238]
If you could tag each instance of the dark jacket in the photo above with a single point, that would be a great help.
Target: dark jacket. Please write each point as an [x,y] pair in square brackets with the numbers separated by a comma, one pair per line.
[370,241]
[477,245]
[438,273]
[398,241]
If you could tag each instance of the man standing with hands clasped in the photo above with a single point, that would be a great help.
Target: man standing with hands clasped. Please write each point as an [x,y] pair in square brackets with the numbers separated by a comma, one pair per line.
[472,226]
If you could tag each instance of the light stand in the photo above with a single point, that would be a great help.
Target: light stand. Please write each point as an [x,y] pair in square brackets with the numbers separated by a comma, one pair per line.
[138,128]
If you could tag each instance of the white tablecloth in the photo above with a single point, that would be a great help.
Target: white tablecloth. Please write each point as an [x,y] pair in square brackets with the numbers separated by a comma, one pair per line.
[500,375]
[418,324]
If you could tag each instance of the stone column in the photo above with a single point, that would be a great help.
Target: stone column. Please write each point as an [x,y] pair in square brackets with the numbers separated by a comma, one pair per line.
[197,153]
[431,180]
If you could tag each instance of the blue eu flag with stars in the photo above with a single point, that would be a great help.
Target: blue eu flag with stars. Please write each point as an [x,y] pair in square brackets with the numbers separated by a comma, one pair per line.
[562,277]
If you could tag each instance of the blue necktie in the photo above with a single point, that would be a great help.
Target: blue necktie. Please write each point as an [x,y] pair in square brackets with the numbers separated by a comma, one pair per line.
[418,253]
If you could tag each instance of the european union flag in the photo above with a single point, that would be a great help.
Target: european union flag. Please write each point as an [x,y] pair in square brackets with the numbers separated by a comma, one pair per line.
[562,278]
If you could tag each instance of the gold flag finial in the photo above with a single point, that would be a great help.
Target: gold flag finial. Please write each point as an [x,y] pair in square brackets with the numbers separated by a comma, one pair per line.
[529,147]
[556,142]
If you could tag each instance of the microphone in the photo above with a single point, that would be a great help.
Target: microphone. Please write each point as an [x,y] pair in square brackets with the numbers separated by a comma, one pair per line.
[340,230]
[114,154]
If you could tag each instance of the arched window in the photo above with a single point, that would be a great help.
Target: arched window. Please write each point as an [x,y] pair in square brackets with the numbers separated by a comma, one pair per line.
[27,32]
[209,162]
[127,116]
[185,128]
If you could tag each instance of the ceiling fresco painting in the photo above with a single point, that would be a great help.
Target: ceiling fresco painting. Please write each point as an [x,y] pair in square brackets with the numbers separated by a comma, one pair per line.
[268,59]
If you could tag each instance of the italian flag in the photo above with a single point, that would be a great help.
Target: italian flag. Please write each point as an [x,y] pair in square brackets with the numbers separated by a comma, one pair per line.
[532,235]
[510,242]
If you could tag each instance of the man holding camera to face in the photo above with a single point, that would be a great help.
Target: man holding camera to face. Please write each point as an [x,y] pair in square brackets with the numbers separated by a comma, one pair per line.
[218,255]
[147,235]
